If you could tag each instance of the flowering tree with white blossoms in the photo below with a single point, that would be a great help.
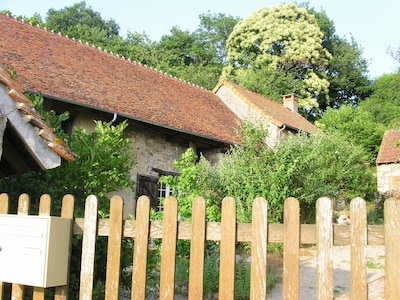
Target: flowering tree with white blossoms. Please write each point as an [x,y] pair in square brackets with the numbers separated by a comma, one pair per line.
[278,50]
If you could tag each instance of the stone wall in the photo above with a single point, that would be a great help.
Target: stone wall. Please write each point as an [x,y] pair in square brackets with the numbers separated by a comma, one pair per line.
[247,113]
[153,149]
[388,177]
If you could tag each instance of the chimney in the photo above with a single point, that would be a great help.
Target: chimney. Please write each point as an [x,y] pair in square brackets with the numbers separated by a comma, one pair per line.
[290,102]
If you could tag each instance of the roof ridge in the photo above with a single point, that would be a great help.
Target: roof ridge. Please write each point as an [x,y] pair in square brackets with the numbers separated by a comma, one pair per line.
[248,101]
[116,55]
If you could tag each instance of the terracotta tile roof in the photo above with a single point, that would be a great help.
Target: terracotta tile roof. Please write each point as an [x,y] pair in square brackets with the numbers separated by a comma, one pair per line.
[389,151]
[62,67]
[271,110]
[25,105]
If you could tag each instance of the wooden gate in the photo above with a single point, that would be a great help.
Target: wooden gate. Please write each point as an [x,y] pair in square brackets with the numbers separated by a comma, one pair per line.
[228,232]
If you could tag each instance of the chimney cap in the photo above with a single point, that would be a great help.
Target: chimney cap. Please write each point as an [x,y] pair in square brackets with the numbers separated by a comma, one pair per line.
[290,95]
[290,101]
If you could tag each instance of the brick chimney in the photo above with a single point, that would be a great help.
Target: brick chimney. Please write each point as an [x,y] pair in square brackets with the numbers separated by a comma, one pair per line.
[290,102]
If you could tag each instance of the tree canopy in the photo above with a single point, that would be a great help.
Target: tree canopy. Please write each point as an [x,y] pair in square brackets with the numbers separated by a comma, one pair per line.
[347,71]
[384,103]
[283,42]
[355,125]
[83,23]
[294,48]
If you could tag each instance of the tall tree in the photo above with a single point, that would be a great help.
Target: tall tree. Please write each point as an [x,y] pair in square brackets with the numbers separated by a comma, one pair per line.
[283,44]
[354,125]
[347,71]
[199,56]
[293,48]
[214,31]
[384,103]
[83,23]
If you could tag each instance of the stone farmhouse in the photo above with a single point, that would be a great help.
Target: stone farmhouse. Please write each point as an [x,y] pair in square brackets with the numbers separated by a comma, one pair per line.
[388,163]
[165,115]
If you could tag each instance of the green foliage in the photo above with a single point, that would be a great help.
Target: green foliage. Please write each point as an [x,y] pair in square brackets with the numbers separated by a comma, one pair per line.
[384,103]
[304,167]
[104,161]
[197,57]
[284,39]
[355,125]
[103,164]
[83,23]
[347,70]
[195,179]
[53,119]
[325,165]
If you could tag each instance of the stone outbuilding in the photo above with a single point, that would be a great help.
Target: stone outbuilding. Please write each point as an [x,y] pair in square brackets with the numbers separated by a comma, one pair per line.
[388,163]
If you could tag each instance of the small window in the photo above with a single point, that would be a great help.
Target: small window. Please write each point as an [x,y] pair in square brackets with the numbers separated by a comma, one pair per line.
[163,192]
[149,186]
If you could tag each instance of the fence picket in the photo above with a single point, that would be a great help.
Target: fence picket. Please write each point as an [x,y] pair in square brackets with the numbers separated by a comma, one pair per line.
[392,249]
[168,249]
[140,248]
[67,211]
[88,248]
[358,251]
[4,203]
[17,292]
[291,249]
[259,237]
[44,210]
[228,232]
[227,250]
[196,268]
[114,248]
[324,232]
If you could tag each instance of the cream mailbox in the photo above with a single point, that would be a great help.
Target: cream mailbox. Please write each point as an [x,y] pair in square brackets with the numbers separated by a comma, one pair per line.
[34,250]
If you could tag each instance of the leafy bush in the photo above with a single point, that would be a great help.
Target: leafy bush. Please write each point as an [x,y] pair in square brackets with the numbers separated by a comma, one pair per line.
[104,159]
[302,166]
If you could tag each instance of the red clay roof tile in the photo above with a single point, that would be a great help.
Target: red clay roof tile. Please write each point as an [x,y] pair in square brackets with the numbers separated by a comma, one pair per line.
[26,106]
[389,151]
[61,67]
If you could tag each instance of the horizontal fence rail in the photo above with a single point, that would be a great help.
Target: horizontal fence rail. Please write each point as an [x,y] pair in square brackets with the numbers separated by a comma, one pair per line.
[324,234]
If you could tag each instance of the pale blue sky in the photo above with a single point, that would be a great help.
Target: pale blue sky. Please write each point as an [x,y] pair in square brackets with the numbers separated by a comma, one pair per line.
[375,25]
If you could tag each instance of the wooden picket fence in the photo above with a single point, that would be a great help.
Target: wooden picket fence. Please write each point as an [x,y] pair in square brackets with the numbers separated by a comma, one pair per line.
[259,233]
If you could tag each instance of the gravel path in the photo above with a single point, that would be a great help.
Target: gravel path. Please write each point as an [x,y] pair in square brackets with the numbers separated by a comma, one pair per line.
[341,274]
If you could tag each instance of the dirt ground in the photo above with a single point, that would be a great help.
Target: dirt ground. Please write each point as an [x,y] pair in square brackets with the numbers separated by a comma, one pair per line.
[341,274]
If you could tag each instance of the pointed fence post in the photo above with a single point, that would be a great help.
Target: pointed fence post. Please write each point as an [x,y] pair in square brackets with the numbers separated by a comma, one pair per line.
[358,249]
[227,250]
[88,248]
[44,210]
[259,242]
[324,233]
[114,248]
[168,249]
[142,225]
[4,203]
[392,249]
[197,241]
[17,292]
[291,249]
[67,211]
